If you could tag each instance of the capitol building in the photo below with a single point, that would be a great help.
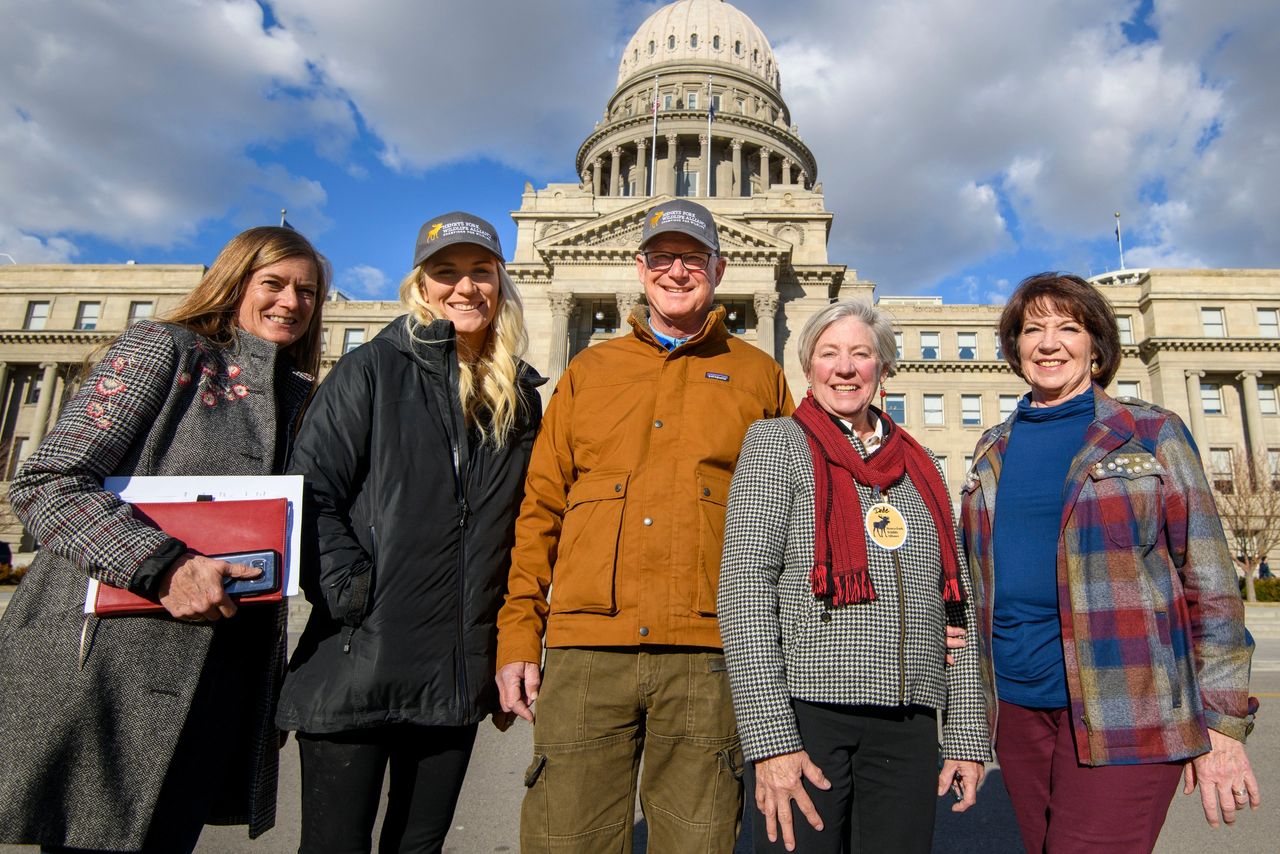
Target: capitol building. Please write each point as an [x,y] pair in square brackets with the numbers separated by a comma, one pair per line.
[1204,343]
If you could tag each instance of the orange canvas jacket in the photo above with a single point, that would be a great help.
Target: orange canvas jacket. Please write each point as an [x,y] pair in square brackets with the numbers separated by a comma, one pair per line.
[619,535]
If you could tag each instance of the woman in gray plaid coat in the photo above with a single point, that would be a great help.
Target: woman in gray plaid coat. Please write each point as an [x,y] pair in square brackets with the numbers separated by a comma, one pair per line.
[131,733]
[839,577]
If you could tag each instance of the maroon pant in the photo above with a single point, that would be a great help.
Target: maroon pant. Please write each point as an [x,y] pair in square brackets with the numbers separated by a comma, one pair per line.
[1063,806]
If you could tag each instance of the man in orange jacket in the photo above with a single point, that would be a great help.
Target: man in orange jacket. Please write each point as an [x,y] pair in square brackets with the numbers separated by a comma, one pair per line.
[616,562]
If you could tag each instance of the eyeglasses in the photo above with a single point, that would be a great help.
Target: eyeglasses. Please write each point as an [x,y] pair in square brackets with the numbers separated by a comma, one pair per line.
[692,261]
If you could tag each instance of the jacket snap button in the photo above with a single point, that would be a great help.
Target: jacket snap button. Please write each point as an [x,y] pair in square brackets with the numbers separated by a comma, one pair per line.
[657,423]
[826,616]
[644,631]
[647,521]
[617,487]
[706,491]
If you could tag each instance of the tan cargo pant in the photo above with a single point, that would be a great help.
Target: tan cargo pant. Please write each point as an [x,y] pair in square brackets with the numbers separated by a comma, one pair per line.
[598,712]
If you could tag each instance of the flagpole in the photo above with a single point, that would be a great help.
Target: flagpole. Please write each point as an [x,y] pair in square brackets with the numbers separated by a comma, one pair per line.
[710,113]
[1119,242]
[653,149]
[283,211]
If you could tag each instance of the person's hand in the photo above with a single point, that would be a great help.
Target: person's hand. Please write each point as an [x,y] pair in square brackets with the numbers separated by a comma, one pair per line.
[956,639]
[503,720]
[961,776]
[778,783]
[1225,779]
[518,684]
[192,588]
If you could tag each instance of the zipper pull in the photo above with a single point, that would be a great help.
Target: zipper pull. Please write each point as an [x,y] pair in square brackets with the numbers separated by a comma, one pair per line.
[464,512]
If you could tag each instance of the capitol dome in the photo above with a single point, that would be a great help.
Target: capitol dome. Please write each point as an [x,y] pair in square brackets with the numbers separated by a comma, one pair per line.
[711,31]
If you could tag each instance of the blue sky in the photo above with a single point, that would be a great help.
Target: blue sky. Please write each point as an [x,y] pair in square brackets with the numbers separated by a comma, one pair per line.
[962,144]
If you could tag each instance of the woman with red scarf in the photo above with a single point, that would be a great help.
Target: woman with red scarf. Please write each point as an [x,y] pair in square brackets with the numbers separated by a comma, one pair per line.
[839,577]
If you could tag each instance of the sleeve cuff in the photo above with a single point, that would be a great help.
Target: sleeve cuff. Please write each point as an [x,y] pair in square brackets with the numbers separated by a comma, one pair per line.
[145,580]
[1237,728]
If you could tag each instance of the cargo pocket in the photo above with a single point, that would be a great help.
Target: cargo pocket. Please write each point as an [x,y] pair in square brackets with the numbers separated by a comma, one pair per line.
[583,578]
[713,497]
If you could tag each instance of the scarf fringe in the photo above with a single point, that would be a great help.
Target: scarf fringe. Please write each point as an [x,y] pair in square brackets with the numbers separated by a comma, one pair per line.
[951,590]
[819,580]
[853,587]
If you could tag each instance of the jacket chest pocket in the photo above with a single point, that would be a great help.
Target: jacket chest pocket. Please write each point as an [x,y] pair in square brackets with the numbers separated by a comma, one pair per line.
[1128,489]
[713,498]
[583,579]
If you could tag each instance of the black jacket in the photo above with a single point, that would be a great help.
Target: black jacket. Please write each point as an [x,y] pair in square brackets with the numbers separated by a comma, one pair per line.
[410,523]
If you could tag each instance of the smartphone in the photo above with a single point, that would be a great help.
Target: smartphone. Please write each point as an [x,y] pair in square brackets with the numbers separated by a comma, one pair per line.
[265,562]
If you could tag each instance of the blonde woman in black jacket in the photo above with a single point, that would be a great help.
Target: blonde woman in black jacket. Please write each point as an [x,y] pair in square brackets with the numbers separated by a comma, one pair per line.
[414,452]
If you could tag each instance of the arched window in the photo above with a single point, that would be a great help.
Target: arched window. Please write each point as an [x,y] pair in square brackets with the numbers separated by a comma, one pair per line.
[693,40]
[671,42]
[737,47]
[651,47]
[755,56]
[635,54]
[768,68]
[715,42]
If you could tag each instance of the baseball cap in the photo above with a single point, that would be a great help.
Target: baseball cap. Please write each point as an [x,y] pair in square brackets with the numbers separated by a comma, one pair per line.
[452,228]
[680,216]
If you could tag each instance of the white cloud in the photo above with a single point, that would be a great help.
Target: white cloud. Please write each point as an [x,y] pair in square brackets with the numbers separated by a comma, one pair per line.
[364,281]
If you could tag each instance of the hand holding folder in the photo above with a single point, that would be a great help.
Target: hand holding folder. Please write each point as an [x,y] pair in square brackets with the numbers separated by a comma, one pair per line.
[251,531]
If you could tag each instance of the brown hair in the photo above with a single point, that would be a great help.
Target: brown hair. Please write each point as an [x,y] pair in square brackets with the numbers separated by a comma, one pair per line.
[1070,295]
[210,309]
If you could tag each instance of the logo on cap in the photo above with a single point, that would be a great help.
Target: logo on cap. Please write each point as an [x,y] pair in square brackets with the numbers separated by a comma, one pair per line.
[653,221]
[435,231]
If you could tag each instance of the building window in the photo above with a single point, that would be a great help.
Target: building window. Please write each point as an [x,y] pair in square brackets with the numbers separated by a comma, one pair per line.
[999,347]
[1008,403]
[929,345]
[742,106]
[1211,398]
[968,344]
[735,316]
[671,42]
[715,42]
[692,101]
[1125,324]
[604,317]
[351,339]
[1267,398]
[37,315]
[1212,323]
[895,406]
[755,56]
[687,183]
[737,47]
[1128,389]
[141,311]
[33,389]
[1269,323]
[715,103]
[1273,466]
[971,410]
[933,410]
[897,343]
[693,39]
[651,47]
[1220,470]
[668,101]
[968,462]
[87,315]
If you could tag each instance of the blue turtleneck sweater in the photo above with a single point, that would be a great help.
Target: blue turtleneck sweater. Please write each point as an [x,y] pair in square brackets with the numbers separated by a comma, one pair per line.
[1026,641]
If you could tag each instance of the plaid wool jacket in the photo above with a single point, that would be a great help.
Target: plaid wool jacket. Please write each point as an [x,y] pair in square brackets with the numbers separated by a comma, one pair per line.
[1152,623]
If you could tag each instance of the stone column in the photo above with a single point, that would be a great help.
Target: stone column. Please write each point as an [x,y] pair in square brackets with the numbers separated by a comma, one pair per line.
[1255,440]
[787,162]
[615,171]
[4,396]
[595,175]
[55,404]
[1195,409]
[764,168]
[47,383]
[642,167]
[561,307]
[766,303]
[705,142]
[626,302]
[671,163]
[736,144]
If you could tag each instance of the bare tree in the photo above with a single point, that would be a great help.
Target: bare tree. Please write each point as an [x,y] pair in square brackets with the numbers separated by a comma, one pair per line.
[1249,505]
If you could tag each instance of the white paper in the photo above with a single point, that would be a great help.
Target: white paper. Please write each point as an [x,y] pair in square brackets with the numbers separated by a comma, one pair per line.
[168,489]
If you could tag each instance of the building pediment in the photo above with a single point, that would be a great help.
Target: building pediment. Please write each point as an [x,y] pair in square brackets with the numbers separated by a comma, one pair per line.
[616,235]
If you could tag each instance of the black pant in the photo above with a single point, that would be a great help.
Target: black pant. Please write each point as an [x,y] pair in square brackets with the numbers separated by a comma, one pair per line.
[342,784]
[883,767]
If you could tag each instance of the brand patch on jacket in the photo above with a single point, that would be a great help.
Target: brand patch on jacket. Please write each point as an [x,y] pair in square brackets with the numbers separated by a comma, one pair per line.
[712,375]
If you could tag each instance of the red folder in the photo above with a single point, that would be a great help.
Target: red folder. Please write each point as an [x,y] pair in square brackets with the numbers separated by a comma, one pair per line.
[208,528]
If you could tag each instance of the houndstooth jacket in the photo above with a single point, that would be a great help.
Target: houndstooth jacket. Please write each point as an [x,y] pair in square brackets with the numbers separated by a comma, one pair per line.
[90,721]
[781,643]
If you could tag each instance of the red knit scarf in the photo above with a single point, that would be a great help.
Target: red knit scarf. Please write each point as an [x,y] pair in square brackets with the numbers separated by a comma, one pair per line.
[840,543]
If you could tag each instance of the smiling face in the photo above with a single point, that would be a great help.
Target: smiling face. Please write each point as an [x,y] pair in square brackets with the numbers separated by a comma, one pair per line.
[461,285]
[1056,352]
[679,299]
[844,371]
[279,301]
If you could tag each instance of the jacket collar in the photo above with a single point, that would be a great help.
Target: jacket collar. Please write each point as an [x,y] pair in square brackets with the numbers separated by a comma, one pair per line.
[713,328]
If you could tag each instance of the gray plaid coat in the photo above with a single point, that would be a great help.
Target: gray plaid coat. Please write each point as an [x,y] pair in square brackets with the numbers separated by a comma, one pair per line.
[781,643]
[85,746]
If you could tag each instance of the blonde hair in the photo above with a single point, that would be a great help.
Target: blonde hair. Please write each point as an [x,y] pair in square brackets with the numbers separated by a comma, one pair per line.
[210,309]
[487,385]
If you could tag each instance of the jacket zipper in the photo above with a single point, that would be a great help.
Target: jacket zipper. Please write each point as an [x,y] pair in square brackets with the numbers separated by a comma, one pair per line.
[460,496]
[902,616]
